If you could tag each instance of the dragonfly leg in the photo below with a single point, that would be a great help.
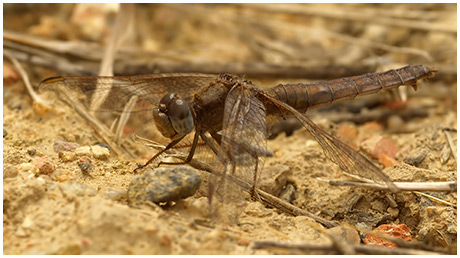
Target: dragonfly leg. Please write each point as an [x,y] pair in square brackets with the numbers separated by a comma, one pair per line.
[169,146]
[190,154]
[254,195]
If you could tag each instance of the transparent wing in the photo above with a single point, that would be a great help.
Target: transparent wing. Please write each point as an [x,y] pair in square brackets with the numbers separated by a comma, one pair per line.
[348,160]
[243,144]
[119,90]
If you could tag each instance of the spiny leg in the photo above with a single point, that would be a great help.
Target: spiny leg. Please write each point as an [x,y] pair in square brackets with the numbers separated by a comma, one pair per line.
[190,154]
[169,146]
[254,194]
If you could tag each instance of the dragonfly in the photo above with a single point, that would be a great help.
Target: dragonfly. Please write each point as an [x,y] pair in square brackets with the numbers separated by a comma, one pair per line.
[231,115]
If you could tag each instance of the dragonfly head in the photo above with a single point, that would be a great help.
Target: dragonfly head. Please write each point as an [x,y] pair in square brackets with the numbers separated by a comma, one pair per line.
[173,117]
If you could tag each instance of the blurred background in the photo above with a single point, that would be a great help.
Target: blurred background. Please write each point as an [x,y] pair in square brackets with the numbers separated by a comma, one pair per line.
[316,41]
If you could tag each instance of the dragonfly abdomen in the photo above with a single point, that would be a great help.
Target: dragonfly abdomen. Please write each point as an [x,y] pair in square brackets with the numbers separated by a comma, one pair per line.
[324,93]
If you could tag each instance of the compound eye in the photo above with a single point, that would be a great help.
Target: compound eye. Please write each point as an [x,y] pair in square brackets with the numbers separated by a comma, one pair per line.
[163,124]
[180,116]
[167,99]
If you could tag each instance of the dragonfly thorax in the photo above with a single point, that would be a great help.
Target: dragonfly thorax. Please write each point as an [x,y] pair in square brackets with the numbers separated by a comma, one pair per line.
[173,117]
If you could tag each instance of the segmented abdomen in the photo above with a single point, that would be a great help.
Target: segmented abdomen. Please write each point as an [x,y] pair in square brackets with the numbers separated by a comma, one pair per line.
[324,93]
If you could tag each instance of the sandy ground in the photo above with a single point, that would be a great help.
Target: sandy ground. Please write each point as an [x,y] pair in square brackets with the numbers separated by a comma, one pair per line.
[64,210]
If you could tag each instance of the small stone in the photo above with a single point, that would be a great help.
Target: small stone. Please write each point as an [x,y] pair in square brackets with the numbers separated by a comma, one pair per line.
[395,123]
[32,152]
[164,184]
[387,147]
[376,146]
[5,132]
[394,212]
[60,146]
[83,151]
[10,172]
[398,231]
[347,232]
[416,157]
[372,127]
[387,161]
[348,134]
[27,167]
[100,152]
[67,156]
[40,108]
[288,193]
[85,165]
[104,145]
[44,164]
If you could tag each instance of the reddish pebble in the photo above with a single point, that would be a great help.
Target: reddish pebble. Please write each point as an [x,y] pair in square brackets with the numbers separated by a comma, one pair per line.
[44,164]
[400,231]
[60,146]
[386,147]
[348,134]
[372,127]
[395,104]
[376,146]
[244,242]
[387,161]
[10,75]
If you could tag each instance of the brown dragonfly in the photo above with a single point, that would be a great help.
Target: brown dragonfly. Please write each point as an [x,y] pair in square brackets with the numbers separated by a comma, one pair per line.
[230,115]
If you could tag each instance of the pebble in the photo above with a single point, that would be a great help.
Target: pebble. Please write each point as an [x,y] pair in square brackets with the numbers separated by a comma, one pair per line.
[40,108]
[288,193]
[5,132]
[32,152]
[348,135]
[103,145]
[377,146]
[85,166]
[61,146]
[27,167]
[164,184]
[394,212]
[96,151]
[400,231]
[100,152]
[416,157]
[387,161]
[67,156]
[83,151]
[44,165]
[346,231]
[10,172]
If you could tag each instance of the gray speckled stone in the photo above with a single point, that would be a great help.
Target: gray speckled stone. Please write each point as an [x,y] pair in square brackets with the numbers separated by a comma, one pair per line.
[164,184]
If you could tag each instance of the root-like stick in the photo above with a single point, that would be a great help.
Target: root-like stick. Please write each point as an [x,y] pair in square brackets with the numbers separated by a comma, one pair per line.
[26,80]
[330,248]
[452,146]
[403,186]
[435,199]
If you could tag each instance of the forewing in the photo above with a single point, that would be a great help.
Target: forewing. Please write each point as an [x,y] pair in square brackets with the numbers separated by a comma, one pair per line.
[148,89]
[348,159]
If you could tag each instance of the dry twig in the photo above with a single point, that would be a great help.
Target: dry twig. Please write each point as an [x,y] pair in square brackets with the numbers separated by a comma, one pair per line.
[435,199]
[331,248]
[403,186]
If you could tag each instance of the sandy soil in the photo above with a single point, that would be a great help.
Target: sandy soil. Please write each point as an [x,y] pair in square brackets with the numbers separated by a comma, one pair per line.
[68,211]
[52,204]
